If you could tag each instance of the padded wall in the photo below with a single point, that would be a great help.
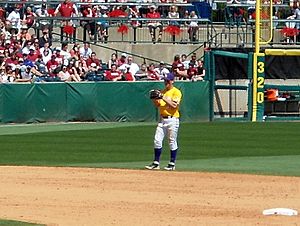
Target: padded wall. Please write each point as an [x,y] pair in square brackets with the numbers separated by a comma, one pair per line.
[103,101]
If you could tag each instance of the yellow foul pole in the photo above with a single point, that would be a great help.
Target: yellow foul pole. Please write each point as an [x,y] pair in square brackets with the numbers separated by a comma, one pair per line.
[257,49]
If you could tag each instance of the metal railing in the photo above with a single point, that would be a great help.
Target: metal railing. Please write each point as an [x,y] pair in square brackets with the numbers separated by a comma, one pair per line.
[134,34]
[208,34]
[242,34]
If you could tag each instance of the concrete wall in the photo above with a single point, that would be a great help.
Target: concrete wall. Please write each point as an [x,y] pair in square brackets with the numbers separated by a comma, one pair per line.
[158,51]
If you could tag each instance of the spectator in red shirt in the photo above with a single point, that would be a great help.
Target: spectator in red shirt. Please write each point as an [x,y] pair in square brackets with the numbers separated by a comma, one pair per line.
[58,57]
[32,54]
[192,71]
[127,75]
[178,68]
[13,60]
[66,9]
[113,75]
[152,73]
[93,59]
[2,14]
[52,65]
[152,25]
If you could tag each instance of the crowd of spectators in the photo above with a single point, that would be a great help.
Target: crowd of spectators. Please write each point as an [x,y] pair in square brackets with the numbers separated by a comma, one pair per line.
[24,57]
[37,61]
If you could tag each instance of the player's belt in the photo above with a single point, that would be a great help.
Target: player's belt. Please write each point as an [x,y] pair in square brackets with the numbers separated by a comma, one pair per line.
[168,116]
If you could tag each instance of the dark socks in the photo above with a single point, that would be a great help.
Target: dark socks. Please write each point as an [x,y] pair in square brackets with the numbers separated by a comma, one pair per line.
[157,153]
[173,154]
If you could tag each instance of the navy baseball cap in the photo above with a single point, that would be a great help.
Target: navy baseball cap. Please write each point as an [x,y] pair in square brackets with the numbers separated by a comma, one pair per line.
[169,77]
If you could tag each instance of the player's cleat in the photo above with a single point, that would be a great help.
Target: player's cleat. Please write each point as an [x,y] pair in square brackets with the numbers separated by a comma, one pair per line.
[170,166]
[153,166]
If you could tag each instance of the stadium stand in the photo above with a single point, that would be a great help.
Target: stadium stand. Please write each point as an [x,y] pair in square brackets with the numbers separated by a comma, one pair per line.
[44,41]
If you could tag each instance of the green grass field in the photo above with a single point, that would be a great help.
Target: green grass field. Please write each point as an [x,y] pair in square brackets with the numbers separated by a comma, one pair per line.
[260,148]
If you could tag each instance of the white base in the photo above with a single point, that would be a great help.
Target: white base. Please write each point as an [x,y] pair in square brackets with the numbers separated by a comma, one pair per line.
[280,211]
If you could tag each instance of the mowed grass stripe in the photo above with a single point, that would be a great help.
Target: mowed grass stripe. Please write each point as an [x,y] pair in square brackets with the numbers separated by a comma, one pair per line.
[240,139]
[7,129]
[201,145]
[78,146]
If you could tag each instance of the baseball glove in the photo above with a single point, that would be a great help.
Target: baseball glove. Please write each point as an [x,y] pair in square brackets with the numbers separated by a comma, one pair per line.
[155,94]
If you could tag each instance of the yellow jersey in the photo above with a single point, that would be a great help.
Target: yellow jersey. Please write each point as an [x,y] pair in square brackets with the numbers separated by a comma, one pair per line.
[166,110]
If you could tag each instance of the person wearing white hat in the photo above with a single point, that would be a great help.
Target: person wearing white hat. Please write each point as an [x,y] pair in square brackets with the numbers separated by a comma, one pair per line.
[153,24]
[127,75]
[32,48]
[130,64]
[122,60]
[161,70]
[32,54]
[7,41]
[93,65]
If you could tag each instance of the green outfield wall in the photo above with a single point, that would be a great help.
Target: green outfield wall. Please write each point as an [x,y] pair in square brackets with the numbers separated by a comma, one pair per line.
[103,101]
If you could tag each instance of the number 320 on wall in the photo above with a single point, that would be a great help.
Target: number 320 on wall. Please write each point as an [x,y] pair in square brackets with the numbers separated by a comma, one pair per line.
[260,82]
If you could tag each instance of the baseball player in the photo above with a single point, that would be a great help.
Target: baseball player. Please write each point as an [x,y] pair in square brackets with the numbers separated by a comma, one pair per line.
[167,101]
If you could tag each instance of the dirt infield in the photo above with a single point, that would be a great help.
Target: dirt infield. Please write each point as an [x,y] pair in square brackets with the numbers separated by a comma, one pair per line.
[76,196]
